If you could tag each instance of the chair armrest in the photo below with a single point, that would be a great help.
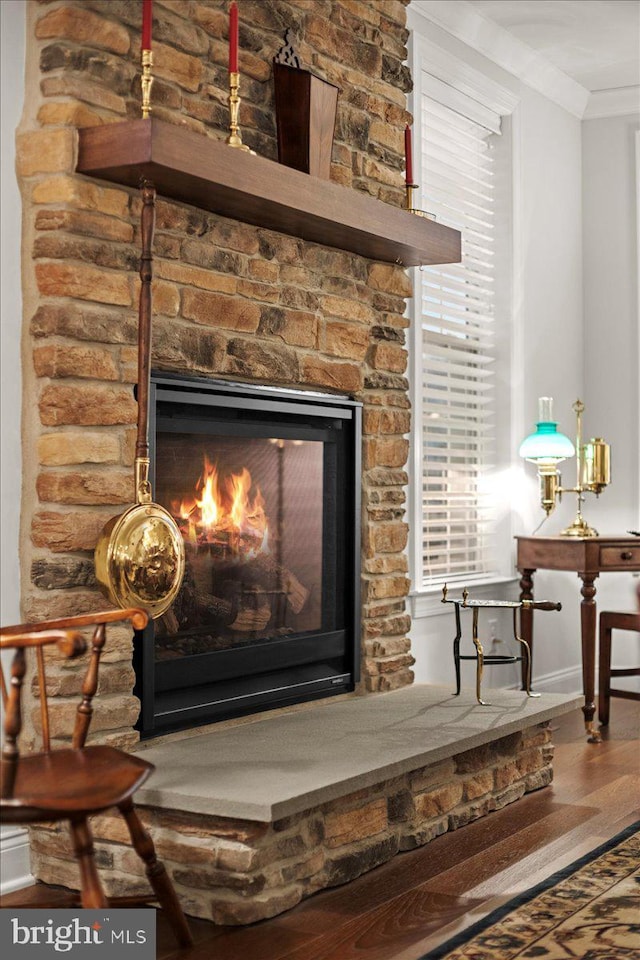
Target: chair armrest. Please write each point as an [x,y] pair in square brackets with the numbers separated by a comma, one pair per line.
[139,619]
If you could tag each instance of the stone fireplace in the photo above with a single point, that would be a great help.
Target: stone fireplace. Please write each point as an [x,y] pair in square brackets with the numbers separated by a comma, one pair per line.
[232,301]
[246,315]
[264,484]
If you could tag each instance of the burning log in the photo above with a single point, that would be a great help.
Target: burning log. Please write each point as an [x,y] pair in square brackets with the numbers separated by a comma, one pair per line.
[249,612]
[264,571]
[228,539]
[254,613]
[244,595]
[229,517]
[264,574]
[213,610]
[195,607]
[169,622]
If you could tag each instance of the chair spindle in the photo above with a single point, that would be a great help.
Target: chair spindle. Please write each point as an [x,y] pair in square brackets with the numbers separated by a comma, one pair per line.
[12,724]
[44,705]
[89,687]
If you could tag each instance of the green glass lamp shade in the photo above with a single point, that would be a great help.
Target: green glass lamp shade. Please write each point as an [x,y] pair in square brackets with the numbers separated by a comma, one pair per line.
[546,444]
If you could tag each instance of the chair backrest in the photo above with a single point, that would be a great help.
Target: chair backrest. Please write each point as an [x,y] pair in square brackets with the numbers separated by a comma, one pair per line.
[70,643]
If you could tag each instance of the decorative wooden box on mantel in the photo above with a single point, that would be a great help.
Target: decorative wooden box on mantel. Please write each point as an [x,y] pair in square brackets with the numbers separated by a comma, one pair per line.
[196,169]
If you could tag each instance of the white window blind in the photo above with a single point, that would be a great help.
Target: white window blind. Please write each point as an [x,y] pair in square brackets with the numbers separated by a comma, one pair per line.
[456,313]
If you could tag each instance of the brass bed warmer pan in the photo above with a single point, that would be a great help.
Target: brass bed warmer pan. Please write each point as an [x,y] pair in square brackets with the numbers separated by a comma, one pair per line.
[139,558]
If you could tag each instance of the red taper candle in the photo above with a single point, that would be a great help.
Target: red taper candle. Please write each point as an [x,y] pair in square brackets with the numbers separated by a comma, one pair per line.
[408,155]
[233,39]
[147,17]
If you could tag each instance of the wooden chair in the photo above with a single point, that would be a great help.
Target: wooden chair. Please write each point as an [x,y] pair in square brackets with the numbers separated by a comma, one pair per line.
[610,621]
[77,782]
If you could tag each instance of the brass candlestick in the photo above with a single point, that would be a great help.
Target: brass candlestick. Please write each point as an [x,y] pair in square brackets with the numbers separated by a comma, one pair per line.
[235,138]
[146,82]
[409,203]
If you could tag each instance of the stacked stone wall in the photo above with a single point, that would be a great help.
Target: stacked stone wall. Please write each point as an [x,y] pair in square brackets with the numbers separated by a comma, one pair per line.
[230,299]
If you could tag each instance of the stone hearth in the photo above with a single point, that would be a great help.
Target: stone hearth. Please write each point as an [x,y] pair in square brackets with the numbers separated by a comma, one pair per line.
[252,818]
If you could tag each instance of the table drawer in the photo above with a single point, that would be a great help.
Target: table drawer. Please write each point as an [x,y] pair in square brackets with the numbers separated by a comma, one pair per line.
[620,558]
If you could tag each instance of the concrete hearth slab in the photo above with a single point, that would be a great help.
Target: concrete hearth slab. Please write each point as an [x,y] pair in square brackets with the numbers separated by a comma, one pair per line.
[279,765]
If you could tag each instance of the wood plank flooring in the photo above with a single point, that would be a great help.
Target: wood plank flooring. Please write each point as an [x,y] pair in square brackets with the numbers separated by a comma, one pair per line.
[418,899]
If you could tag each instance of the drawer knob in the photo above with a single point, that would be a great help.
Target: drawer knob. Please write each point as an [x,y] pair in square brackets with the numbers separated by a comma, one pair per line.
[626,555]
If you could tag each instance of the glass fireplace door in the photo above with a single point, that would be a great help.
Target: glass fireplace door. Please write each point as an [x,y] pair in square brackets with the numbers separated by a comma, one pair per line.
[252,514]
[264,485]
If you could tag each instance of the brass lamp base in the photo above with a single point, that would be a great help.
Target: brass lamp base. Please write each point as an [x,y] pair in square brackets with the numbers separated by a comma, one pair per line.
[579,528]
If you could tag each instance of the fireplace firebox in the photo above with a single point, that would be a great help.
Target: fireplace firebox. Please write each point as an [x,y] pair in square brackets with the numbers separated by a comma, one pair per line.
[264,484]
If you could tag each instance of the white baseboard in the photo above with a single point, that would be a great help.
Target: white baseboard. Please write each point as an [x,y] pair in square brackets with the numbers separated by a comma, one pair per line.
[568,680]
[14,845]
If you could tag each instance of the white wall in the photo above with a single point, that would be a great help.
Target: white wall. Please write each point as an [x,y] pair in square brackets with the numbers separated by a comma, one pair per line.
[550,361]
[611,347]
[12,13]
[563,342]
[14,859]
[611,342]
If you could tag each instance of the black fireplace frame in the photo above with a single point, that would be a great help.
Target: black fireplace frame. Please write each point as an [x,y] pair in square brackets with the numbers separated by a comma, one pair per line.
[163,710]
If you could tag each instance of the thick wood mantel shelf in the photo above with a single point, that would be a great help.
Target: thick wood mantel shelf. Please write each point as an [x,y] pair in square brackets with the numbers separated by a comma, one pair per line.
[206,173]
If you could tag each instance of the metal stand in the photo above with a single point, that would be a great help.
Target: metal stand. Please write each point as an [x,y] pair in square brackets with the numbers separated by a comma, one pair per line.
[464,603]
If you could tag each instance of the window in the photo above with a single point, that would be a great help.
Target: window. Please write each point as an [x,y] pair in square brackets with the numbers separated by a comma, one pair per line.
[460,365]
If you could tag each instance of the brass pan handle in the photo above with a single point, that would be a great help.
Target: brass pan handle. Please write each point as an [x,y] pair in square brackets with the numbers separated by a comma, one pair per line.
[147,227]
[541,605]
[143,487]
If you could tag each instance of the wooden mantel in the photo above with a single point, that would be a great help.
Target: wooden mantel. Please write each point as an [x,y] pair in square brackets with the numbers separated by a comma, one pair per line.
[188,166]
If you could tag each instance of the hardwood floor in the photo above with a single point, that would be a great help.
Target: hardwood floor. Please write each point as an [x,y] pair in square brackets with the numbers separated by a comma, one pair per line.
[407,906]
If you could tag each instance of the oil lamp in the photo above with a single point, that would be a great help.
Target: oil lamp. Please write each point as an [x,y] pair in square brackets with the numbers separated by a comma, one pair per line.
[547,447]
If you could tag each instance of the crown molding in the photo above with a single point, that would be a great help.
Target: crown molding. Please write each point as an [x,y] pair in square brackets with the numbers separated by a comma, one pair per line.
[619,102]
[461,20]
[459,74]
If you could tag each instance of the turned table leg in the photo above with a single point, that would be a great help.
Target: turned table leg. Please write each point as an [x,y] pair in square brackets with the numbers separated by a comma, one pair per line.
[588,629]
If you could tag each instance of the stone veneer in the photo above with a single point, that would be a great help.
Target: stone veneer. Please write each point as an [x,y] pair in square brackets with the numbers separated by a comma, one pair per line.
[236,301]
[230,300]
[240,871]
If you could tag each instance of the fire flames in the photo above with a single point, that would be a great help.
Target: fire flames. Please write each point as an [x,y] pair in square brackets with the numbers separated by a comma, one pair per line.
[227,512]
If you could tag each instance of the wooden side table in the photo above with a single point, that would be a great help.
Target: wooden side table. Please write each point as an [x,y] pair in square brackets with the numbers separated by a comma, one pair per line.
[589,558]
